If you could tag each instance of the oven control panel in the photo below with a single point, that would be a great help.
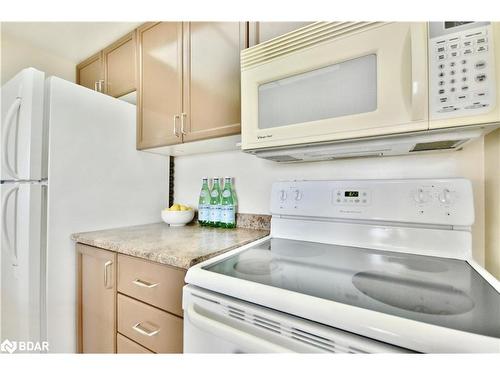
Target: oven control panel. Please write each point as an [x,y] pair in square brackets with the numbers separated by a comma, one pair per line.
[428,201]
[351,197]
[461,69]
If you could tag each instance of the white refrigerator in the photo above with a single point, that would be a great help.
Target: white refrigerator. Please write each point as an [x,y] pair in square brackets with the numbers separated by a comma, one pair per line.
[68,164]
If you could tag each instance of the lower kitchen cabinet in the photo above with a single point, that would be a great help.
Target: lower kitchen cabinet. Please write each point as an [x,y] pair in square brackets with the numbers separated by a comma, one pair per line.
[127,346]
[153,328]
[127,304]
[96,300]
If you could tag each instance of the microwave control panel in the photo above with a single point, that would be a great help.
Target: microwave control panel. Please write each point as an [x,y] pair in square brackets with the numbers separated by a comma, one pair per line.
[461,69]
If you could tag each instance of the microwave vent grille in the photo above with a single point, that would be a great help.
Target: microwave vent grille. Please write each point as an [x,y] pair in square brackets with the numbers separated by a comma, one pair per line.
[300,39]
[437,145]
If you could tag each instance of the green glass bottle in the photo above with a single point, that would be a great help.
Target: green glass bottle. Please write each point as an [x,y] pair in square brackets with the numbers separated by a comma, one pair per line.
[215,204]
[204,203]
[228,205]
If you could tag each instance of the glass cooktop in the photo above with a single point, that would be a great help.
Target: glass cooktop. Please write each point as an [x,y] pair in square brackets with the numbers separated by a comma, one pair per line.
[439,291]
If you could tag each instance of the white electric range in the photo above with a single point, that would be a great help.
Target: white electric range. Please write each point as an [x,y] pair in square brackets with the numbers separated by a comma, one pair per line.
[356,266]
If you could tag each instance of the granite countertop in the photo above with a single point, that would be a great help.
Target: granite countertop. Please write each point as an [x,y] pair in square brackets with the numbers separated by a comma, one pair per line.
[180,247]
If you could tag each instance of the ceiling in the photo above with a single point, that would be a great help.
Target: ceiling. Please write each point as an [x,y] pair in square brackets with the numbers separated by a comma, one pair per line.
[74,41]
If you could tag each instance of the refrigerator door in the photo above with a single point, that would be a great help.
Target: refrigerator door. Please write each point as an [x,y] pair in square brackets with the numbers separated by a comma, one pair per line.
[97,180]
[22,261]
[21,146]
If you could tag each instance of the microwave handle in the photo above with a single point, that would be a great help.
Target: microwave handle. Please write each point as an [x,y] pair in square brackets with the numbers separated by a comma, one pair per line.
[418,40]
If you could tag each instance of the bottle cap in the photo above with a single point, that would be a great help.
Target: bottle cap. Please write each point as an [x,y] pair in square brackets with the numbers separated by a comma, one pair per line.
[228,177]
[204,178]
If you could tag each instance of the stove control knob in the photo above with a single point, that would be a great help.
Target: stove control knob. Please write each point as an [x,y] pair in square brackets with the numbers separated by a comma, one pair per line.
[446,196]
[282,195]
[298,195]
[421,196]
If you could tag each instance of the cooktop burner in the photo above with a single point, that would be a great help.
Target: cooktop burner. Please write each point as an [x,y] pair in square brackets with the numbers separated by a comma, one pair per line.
[255,267]
[439,291]
[412,294]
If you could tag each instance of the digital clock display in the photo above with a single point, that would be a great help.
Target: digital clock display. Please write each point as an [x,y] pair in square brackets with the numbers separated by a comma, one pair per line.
[351,194]
[450,24]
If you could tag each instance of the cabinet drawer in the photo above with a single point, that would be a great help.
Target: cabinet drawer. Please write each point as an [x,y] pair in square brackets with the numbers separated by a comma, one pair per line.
[156,284]
[127,346]
[157,330]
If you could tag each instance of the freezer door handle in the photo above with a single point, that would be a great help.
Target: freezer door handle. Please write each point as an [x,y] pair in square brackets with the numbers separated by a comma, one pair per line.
[9,122]
[12,245]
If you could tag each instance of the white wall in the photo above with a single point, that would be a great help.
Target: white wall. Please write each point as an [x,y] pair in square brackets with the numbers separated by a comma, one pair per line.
[492,197]
[254,176]
[16,54]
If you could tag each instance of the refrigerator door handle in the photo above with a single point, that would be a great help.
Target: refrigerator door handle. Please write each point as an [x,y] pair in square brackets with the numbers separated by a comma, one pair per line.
[12,248]
[6,136]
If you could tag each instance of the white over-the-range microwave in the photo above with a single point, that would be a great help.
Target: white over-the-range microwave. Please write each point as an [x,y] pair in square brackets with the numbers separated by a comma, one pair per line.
[345,89]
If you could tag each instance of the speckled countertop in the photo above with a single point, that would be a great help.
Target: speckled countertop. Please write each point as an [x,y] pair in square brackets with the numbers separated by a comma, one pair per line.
[180,247]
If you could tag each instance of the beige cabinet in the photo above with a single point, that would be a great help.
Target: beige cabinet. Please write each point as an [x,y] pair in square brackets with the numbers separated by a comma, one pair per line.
[126,304]
[119,66]
[127,346]
[188,81]
[263,31]
[89,73]
[159,94]
[211,100]
[96,300]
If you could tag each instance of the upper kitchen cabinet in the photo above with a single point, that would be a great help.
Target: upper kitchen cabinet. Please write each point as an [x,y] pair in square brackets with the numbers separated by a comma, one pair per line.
[188,81]
[262,31]
[211,95]
[159,94]
[89,73]
[119,66]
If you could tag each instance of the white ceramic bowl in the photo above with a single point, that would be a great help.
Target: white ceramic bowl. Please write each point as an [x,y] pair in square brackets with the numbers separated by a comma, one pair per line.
[177,218]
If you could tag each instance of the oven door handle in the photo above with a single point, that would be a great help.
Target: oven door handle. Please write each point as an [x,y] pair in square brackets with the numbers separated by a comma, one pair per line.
[246,340]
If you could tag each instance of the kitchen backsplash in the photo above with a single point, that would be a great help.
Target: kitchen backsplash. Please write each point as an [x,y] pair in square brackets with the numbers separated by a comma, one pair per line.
[253,176]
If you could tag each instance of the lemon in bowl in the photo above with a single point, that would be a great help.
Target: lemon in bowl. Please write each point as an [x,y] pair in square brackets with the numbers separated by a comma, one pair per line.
[177,215]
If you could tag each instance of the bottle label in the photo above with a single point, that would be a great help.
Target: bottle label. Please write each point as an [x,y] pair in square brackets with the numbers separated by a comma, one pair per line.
[214,193]
[228,214]
[215,213]
[226,193]
[204,193]
[204,212]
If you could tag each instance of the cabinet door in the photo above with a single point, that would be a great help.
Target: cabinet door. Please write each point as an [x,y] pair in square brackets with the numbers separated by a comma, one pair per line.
[96,300]
[89,73]
[211,101]
[119,66]
[262,31]
[159,96]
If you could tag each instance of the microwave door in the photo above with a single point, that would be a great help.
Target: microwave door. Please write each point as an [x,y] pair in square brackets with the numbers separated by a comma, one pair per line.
[369,80]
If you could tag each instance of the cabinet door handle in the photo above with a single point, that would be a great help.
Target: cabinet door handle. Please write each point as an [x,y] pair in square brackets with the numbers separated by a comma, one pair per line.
[95,85]
[107,278]
[144,284]
[175,125]
[182,123]
[144,331]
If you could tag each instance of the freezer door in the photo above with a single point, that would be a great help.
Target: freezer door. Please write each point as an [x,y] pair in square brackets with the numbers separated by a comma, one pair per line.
[22,261]
[21,147]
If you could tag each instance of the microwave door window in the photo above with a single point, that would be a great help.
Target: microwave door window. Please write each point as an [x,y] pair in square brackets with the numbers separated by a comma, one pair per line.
[337,90]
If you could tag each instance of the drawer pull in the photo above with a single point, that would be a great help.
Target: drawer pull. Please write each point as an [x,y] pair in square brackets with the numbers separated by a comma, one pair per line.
[144,284]
[144,331]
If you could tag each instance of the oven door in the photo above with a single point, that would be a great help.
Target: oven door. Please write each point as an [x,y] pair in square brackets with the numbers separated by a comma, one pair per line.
[214,323]
[366,79]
